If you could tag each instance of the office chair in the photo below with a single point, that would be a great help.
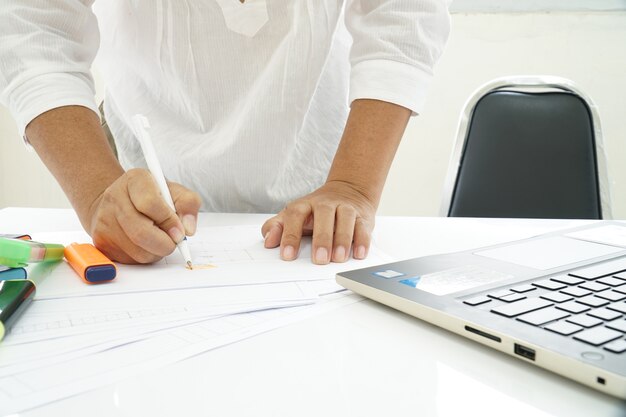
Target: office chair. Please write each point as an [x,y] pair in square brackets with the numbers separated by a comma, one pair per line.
[528,147]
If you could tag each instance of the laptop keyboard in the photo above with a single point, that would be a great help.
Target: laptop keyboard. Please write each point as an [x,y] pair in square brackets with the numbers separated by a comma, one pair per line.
[588,304]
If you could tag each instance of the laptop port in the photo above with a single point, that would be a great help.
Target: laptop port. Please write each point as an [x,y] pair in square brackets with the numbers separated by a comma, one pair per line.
[483,334]
[525,352]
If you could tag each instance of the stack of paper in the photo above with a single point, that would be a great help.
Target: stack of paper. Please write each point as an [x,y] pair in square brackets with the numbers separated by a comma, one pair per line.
[76,337]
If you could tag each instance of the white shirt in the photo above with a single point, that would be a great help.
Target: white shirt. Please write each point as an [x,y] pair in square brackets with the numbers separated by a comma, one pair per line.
[247,102]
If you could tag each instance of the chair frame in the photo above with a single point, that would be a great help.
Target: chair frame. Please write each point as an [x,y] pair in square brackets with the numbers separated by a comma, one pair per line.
[523,83]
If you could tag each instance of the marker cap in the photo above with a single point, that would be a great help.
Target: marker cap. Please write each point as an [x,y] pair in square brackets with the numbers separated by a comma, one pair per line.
[16,252]
[89,263]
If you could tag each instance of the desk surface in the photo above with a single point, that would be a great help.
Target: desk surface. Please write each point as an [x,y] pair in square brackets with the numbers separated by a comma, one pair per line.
[361,360]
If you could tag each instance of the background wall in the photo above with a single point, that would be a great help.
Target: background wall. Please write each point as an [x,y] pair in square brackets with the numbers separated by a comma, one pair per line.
[587,47]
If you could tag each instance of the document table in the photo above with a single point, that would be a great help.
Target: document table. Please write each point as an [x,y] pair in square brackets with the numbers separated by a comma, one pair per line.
[361,360]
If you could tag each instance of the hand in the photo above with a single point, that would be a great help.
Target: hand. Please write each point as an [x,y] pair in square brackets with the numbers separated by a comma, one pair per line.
[130,222]
[337,215]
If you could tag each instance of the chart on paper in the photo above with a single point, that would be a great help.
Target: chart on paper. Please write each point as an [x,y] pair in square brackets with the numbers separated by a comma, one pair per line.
[54,318]
[30,388]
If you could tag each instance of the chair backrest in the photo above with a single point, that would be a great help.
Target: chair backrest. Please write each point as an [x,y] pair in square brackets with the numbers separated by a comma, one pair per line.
[528,147]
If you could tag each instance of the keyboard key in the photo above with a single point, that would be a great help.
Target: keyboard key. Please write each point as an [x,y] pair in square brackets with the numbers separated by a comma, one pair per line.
[621,275]
[499,294]
[621,307]
[566,279]
[610,281]
[481,299]
[573,307]
[549,284]
[618,346]
[621,288]
[584,320]
[604,314]
[521,307]
[545,315]
[594,286]
[563,327]
[523,288]
[619,325]
[557,297]
[576,292]
[513,297]
[592,301]
[611,295]
[598,336]
[601,270]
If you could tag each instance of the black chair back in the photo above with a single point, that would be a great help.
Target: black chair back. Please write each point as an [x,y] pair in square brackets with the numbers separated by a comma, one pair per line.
[528,155]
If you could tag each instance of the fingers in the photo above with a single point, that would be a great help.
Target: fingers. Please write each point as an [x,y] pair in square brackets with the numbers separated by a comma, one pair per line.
[295,215]
[112,240]
[147,199]
[132,223]
[344,231]
[335,229]
[323,225]
[141,231]
[187,205]
[362,238]
[272,231]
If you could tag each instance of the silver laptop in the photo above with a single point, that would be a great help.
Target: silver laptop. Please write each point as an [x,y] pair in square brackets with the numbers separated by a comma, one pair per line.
[557,300]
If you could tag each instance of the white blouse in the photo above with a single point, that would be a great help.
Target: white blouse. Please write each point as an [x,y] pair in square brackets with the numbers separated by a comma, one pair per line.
[247,101]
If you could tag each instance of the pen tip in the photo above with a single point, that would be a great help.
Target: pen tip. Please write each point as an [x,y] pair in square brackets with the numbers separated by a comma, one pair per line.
[189,265]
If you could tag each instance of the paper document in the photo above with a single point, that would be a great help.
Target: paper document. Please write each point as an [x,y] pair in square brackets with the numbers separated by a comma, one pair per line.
[77,337]
[24,390]
[236,251]
[55,318]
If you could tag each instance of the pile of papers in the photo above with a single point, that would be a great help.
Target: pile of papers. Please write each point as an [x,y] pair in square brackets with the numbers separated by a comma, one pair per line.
[76,337]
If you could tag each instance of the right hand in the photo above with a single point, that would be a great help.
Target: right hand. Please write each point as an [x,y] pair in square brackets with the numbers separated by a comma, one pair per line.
[130,222]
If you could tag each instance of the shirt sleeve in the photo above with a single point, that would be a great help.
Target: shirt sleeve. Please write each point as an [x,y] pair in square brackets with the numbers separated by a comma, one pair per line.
[396,44]
[46,51]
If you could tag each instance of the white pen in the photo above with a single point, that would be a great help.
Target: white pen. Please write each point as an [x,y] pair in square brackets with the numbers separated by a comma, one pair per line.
[141,130]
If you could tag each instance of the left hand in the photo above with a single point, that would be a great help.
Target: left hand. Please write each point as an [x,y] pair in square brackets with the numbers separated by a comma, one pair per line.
[337,214]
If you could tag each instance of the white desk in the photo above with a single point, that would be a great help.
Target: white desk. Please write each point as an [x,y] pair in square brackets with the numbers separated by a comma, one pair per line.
[361,360]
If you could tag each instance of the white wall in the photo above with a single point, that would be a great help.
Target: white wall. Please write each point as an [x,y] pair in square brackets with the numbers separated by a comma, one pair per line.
[589,48]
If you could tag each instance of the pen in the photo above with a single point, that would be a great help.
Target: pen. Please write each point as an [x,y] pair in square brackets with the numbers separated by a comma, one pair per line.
[15,253]
[141,130]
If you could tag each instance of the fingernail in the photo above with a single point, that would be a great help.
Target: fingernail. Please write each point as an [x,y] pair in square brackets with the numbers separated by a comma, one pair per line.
[176,234]
[288,253]
[189,222]
[321,255]
[360,252]
[340,254]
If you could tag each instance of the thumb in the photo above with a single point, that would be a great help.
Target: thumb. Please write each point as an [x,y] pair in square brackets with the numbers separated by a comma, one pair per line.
[187,205]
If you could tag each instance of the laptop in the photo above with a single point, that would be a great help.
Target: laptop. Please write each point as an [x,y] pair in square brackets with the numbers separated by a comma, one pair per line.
[557,300]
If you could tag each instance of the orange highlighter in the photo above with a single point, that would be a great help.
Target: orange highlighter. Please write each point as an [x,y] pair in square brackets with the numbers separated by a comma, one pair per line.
[91,264]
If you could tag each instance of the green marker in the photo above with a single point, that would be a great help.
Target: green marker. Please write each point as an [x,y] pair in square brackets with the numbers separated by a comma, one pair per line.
[15,296]
[16,253]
